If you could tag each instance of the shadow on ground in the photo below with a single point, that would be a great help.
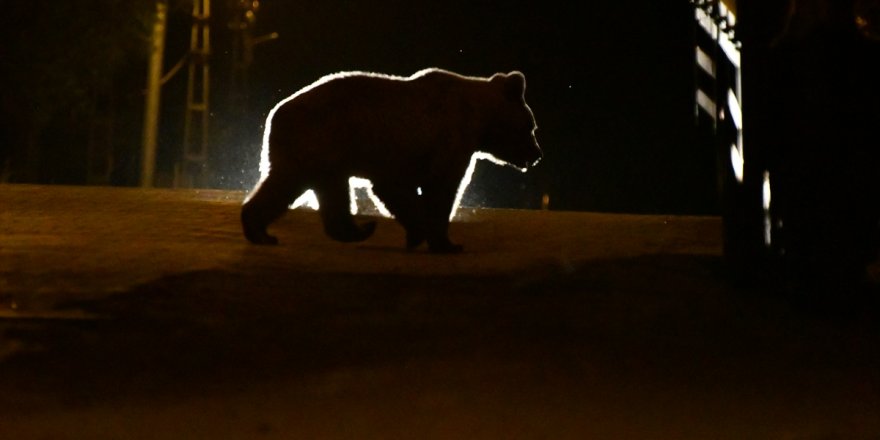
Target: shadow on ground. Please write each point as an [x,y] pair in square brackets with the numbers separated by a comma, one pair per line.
[665,319]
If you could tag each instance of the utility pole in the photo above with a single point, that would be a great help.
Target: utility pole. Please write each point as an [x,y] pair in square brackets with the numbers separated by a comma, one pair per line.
[191,169]
[242,25]
[154,87]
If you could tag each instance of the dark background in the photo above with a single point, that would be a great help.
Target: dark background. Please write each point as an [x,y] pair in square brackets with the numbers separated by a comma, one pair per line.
[610,83]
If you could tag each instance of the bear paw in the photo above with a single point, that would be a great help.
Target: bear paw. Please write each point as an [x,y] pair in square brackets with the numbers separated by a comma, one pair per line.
[445,248]
[348,231]
[261,238]
[414,240]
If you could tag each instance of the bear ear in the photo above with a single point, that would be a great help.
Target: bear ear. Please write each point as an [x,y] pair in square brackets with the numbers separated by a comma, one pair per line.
[513,83]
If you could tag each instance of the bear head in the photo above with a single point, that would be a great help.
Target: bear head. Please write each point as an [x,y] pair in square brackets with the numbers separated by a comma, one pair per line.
[509,131]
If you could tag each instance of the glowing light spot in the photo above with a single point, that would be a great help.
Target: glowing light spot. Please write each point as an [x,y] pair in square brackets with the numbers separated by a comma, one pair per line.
[736,162]
[419,190]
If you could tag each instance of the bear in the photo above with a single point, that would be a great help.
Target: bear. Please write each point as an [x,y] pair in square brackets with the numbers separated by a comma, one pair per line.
[412,137]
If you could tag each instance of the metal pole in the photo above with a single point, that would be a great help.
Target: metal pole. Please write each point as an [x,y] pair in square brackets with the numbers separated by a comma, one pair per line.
[154,88]
[190,170]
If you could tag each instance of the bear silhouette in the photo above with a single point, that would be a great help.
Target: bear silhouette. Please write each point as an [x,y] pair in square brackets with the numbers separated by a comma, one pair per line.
[412,137]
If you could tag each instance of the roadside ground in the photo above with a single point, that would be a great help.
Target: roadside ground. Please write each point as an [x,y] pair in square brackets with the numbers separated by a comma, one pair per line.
[142,314]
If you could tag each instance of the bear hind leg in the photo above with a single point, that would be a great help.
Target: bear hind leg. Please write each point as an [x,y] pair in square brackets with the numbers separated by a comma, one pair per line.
[439,198]
[335,210]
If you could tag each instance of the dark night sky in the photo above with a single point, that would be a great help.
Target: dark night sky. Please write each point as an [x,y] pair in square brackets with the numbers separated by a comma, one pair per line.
[610,85]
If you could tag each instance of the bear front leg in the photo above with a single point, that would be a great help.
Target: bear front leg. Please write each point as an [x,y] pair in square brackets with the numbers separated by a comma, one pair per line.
[438,200]
[269,201]
[407,207]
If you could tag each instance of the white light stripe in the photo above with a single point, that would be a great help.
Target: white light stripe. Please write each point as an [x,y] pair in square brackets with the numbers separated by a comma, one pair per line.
[768,220]
[727,13]
[308,199]
[737,162]
[724,42]
[735,110]
[730,49]
[359,182]
[706,22]
[705,62]
[707,104]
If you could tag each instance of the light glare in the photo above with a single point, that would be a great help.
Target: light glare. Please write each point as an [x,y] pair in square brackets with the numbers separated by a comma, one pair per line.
[468,175]
[724,42]
[309,199]
[765,199]
[734,109]
[736,162]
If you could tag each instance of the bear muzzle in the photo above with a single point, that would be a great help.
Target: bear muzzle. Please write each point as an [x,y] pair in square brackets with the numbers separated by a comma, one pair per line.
[539,154]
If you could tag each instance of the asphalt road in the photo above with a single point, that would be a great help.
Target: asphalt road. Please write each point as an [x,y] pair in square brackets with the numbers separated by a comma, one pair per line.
[143,314]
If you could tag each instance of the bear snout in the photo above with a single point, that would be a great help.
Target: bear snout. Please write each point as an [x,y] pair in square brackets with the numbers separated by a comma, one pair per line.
[538,154]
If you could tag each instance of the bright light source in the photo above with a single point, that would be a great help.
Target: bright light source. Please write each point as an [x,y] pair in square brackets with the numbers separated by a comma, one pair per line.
[724,11]
[765,199]
[719,26]
[736,162]
[724,42]
[734,109]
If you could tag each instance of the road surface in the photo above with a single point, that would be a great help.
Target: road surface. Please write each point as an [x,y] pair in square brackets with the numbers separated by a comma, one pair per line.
[144,314]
